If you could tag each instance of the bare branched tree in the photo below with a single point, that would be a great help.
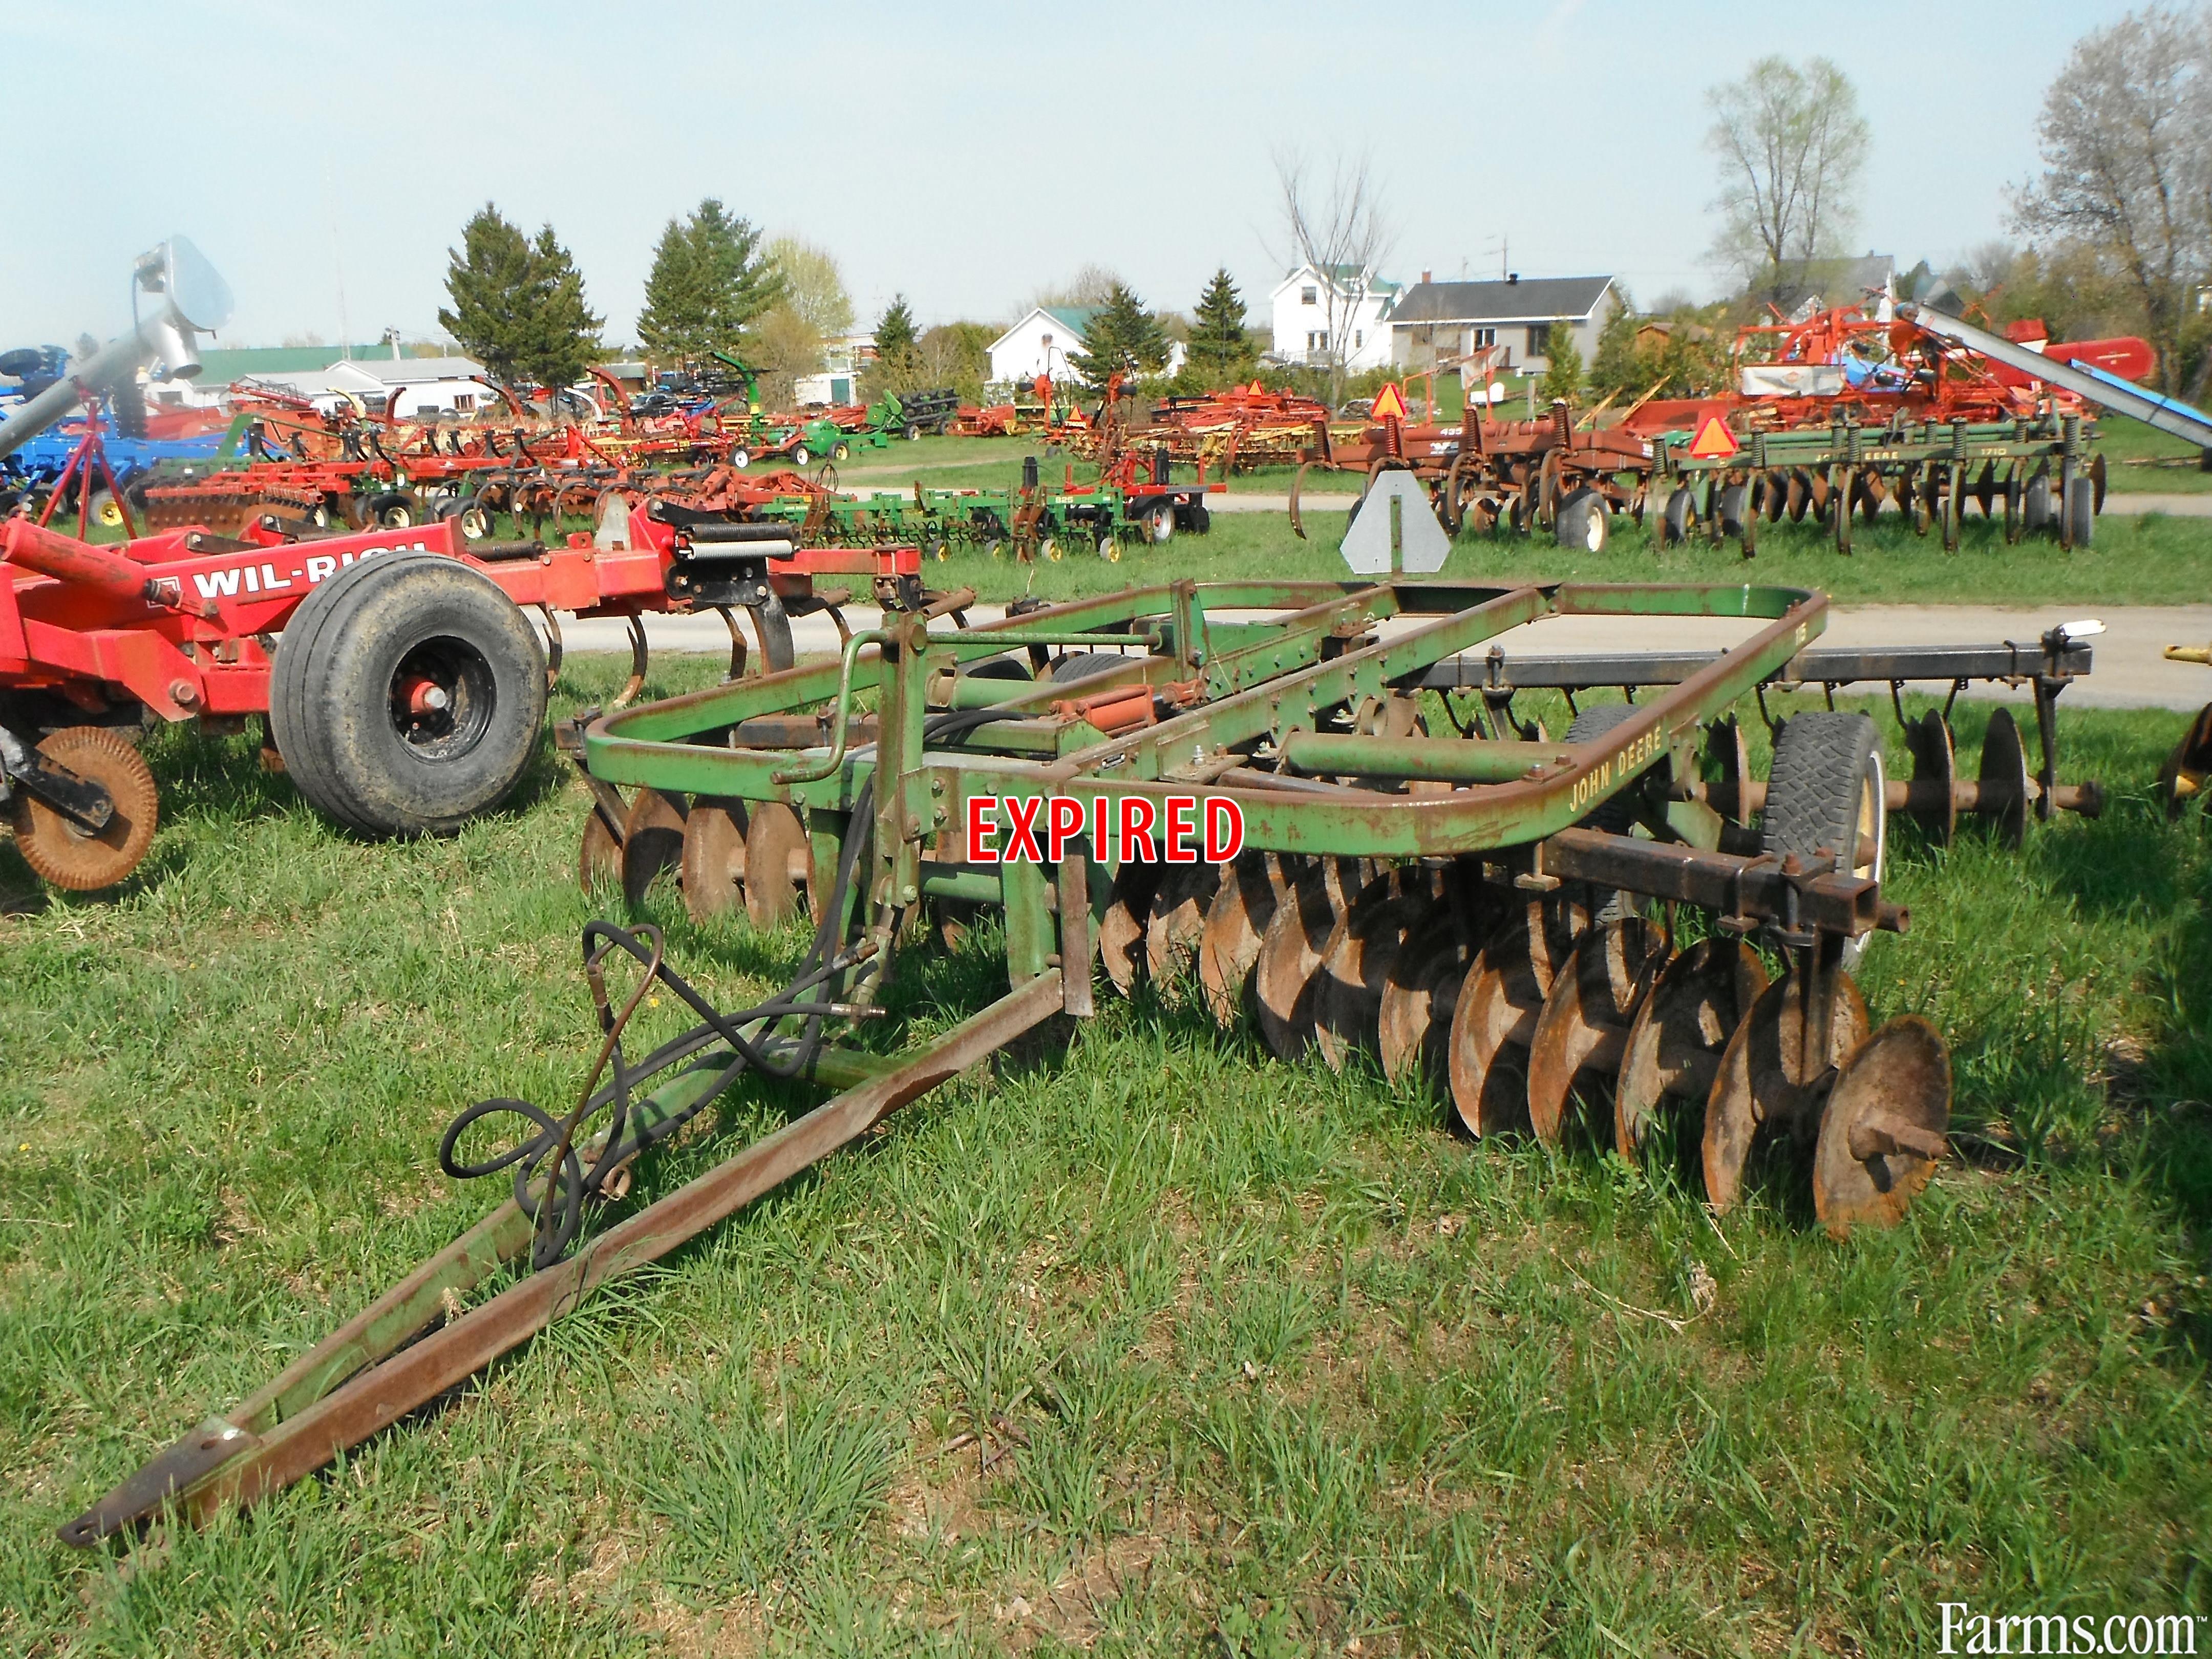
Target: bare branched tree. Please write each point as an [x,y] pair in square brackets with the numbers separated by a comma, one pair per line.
[1790,142]
[1339,228]
[2126,137]
[1093,285]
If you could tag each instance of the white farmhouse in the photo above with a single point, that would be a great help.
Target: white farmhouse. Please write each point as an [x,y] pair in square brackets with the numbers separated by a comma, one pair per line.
[1041,343]
[1351,303]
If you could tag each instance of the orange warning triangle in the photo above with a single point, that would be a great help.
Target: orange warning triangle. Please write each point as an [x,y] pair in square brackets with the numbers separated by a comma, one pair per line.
[1714,441]
[1389,405]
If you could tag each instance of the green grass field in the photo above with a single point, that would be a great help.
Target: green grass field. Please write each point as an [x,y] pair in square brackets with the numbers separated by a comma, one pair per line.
[1137,1341]
[2138,559]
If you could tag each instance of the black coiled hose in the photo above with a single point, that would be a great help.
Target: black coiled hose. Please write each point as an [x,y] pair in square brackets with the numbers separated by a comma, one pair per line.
[555,1205]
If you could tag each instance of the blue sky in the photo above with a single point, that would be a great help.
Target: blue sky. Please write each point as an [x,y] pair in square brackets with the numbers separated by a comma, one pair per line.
[966,155]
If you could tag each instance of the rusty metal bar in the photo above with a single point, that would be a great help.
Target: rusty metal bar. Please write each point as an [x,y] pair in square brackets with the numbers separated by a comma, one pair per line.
[1759,889]
[257,1461]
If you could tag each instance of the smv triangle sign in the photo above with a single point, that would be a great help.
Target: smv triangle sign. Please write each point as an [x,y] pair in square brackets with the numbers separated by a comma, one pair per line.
[1389,405]
[1714,441]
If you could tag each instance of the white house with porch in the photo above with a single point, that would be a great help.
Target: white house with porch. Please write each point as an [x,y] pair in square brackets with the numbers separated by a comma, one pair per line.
[1041,343]
[1351,303]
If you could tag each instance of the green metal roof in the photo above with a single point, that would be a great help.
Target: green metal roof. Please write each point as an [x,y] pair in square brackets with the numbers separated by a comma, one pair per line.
[1075,317]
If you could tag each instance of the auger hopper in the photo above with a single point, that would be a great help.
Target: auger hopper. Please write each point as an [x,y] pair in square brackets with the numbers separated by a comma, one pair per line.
[1228,789]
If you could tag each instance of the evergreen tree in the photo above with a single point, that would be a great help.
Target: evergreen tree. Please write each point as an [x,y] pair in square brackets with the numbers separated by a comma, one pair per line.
[519,307]
[1120,339]
[1220,347]
[895,337]
[1564,379]
[489,278]
[564,334]
[672,325]
[1618,370]
[710,282]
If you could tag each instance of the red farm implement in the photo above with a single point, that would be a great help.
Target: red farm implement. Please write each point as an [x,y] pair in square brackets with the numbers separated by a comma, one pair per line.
[403,685]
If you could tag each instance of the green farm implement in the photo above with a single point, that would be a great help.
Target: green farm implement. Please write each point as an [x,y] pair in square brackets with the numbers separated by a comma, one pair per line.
[2036,474]
[1233,789]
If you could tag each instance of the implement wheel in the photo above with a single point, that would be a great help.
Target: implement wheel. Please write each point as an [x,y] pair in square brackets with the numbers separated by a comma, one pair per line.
[1826,794]
[407,695]
[62,851]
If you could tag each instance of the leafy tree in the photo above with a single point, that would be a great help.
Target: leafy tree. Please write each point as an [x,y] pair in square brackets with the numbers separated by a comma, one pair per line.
[710,282]
[1790,142]
[956,354]
[1564,379]
[2126,137]
[1221,347]
[489,280]
[1120,339]
[812,285]
[518,305]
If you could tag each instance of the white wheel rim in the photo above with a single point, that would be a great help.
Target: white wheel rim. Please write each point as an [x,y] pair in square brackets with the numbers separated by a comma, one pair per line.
[1594,527]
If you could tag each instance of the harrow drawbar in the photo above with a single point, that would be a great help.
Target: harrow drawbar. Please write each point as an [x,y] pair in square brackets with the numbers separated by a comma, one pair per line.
[1229,790]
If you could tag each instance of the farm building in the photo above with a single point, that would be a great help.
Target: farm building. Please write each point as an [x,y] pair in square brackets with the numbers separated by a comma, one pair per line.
[1434,320]
[1356,304]
[330,376]
[1042,342]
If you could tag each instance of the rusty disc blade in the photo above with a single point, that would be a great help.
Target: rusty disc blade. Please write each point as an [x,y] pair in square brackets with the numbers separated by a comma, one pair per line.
[1771,1076]
[1348,986]
[1121,929]
[779,865]
[1675,1041]
[1884,1128]
[652,841]
[714,856]
[63,851]
[1414,1015]
[1290,951]
[1494,1016]
[1727,766]
[1177,922]
[1935,760]
[1585,1022]
[598,856]
[2004,779]
[1243,905]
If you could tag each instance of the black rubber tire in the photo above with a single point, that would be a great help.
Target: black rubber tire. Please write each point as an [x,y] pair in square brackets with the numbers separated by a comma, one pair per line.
[1585,522]
[1083,664]
[1000,668]
[839,452]
[395,509]
[1202,519]
[912,432]
[1679,519]
[1617,814]
[330,710]
[801,455]
[1814,794]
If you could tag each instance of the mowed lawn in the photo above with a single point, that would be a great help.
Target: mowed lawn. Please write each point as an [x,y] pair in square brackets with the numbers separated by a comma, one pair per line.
[1137,1341]
[2133,559]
